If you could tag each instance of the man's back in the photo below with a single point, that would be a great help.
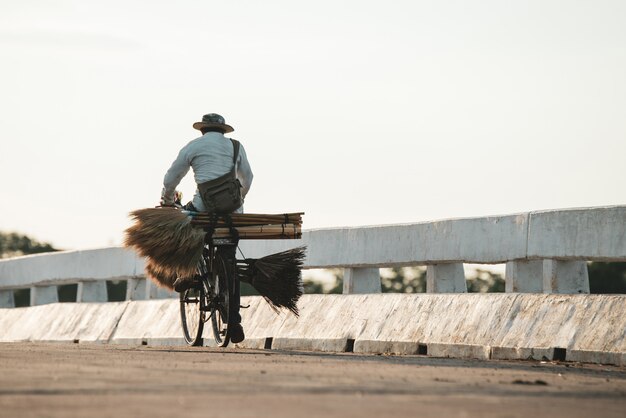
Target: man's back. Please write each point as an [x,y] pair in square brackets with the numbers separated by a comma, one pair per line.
[210,156]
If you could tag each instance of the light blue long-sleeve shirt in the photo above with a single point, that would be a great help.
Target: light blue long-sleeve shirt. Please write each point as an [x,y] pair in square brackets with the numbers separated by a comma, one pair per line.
[210,156]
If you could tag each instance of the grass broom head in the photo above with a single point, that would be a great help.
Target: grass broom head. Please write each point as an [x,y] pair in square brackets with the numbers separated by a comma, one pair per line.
[163,276]
[167,238]
[277,277]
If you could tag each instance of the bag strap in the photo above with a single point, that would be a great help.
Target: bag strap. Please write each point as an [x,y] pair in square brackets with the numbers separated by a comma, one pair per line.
[236,146]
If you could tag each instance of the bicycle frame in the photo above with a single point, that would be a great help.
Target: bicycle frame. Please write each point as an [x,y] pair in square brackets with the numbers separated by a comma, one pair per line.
[218,292]
[222,265]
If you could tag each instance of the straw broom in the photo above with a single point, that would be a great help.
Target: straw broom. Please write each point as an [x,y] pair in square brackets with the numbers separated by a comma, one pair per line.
[167,237]
[163,276]
[277,277]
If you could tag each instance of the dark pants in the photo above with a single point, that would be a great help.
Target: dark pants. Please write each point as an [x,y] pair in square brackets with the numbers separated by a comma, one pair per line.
[228,254]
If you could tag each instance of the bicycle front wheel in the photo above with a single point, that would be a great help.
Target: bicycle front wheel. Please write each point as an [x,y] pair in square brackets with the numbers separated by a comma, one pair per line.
[192,315]
[220,308]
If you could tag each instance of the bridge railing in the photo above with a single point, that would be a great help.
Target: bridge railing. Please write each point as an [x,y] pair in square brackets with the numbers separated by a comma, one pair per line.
[544,251]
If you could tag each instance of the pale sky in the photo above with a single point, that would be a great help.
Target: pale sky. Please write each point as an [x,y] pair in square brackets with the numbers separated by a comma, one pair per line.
[355,112]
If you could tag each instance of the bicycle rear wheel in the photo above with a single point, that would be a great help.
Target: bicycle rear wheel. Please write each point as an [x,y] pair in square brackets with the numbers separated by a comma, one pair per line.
[220,306]
[192,315]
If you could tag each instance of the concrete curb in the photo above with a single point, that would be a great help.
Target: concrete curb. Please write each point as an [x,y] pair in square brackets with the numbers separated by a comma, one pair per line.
[602,357]
[333,345]
[390,347]
[522,353]
[480,352]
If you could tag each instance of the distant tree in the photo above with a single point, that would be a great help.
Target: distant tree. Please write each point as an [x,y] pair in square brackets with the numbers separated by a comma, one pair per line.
[404,280]
[485,281]
[13,245]
[337,288]
[607,277]
[313,287]
[116,290]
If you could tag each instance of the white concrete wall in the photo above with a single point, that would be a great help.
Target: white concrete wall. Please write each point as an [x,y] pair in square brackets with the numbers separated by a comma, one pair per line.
[113,263]
[473,240]
[584,234]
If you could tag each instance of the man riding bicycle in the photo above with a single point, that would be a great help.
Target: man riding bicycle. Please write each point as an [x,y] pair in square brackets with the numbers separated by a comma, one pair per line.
[223,175]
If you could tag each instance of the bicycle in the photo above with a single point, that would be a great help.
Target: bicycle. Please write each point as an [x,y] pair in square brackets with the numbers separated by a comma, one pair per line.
[194,253]
[214,295]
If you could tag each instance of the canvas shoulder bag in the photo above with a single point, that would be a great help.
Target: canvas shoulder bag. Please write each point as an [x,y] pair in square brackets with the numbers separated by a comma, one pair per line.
[223,195]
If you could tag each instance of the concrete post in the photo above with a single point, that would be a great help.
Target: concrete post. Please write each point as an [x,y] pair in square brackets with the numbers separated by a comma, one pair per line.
[92,291]
[361,280]
[6,299]
[445,278]
[565,277]
[157,292]
[136,289]
[524,276]
[40,295]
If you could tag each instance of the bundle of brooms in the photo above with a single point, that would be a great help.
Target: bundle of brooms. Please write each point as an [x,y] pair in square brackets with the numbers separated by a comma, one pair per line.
[172,241]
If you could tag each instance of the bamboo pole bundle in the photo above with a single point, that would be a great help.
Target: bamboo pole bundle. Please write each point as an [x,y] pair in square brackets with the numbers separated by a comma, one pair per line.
[282,231]
[247,219]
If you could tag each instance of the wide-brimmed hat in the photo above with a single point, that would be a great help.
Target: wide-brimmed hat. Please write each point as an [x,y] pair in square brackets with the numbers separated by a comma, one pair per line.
[213,120]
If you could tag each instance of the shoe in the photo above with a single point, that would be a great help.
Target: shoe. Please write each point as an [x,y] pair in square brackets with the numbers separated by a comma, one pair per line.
[183,283]
[236,333]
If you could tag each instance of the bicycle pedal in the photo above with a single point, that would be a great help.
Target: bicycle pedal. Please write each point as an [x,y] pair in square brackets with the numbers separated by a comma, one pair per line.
[244,306]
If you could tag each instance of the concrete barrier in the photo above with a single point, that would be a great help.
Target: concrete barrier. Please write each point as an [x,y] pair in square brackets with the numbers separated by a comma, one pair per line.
[586,328]
[154,322]
[62,322]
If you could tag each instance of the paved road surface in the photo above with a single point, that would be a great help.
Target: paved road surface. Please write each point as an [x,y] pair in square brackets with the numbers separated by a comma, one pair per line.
[78,380]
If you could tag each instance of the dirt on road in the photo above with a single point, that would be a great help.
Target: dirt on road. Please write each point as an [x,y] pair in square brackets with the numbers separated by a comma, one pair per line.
[81,380]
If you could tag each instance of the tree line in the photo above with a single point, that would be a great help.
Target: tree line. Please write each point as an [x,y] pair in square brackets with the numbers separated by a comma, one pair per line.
[13,245]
